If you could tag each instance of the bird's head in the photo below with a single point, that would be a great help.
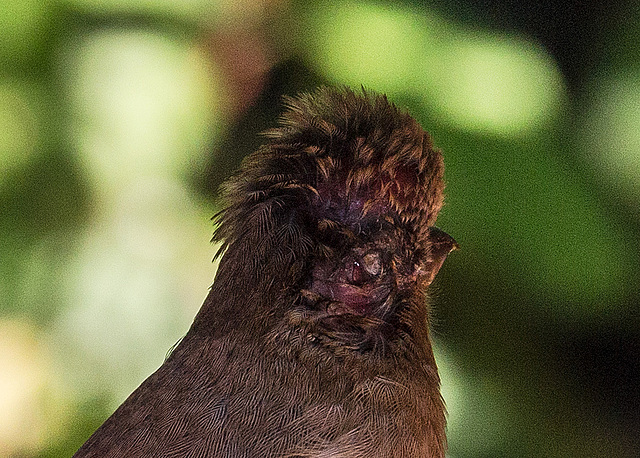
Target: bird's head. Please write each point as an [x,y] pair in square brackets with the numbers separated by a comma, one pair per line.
[342,200]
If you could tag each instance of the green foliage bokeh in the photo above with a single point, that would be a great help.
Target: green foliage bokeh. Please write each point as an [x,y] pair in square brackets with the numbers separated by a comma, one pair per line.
[117,119]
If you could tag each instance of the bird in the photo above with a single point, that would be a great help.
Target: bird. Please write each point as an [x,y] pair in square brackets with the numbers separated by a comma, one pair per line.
[314,339]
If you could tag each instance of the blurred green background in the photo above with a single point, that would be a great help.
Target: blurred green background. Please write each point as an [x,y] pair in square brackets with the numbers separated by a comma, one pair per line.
[120,118]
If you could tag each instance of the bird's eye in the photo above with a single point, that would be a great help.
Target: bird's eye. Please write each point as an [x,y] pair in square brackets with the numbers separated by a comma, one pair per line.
[358,274]
[372,264]
[365,269]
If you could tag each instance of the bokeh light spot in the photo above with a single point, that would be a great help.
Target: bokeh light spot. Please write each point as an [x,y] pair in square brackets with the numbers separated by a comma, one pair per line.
[138,277]
[475,80]
[144,104]
[189,9]
[368,44]
[611,134]
[495,84]
[31,415]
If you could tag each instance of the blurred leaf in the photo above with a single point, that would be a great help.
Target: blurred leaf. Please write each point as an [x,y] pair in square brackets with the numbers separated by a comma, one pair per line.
[48,196]
[531,218]
[610,135]
[23,27]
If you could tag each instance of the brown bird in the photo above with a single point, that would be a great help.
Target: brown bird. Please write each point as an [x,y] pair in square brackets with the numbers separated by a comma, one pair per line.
[314,338]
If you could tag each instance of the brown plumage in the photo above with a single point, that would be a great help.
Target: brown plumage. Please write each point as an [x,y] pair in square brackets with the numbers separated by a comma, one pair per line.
[314,340]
